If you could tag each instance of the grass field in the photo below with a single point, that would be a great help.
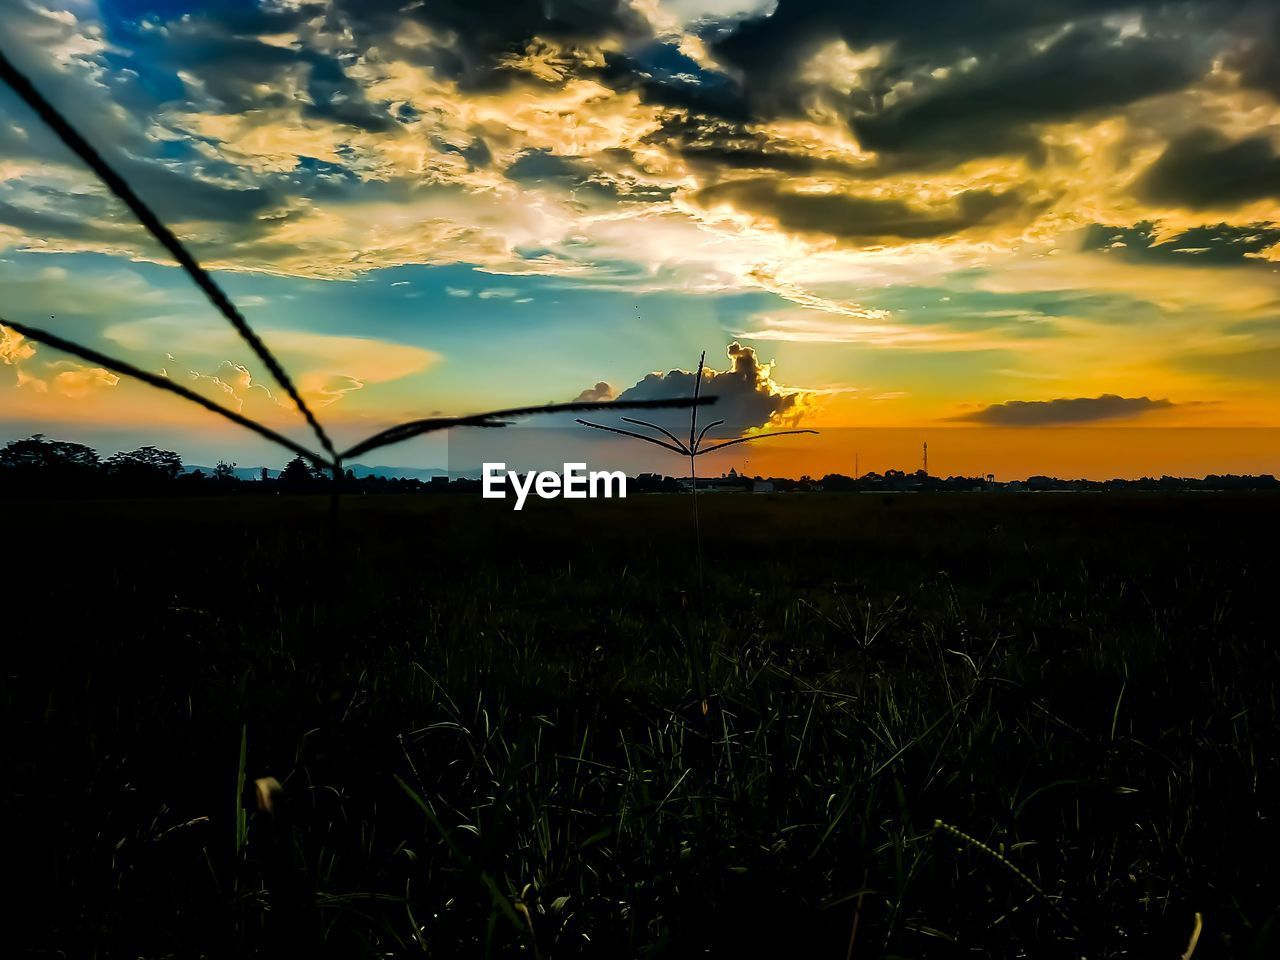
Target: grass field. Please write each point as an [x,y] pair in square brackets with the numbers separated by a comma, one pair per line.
[532,734]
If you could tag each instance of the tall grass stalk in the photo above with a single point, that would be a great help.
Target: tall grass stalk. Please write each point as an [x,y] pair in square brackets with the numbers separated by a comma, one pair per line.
[693,449]
[975,844]
[331,461]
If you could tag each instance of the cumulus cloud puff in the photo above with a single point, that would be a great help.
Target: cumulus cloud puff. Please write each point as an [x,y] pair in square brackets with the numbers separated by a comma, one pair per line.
[77,380]
[747,396]
[66,378]
[14,347]
[601,391]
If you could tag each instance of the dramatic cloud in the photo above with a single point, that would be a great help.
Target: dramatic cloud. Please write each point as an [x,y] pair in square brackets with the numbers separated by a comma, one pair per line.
[1259,59]
[853,217]
[1204,169]
[747,396]
[531,138]
[800,172]
[995,105]
[1043,413]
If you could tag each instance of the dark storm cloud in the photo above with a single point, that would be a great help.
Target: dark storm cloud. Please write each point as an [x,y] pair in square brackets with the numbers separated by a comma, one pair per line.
[53,214]
[991,107]
[476,153]
[475,35]
[665,77]
[177,196]
[756,155]
[1023,64]
[965,79]
[49,224]
[537,166]
[925,32]
[232,70]
[852,218]
[335,97]
[976,78]
[221,52]
[228,64]
[1204,169]
[949,81]
[1259,60]
[181,184]
[720,100]
[713,145]
[463,41]
[1040,413]
[183,197]
[581,178]
[1209,245]
[795,27]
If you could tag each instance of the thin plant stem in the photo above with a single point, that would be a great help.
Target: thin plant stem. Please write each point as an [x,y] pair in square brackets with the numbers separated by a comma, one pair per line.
[693,449]
[496,418]
[162,383]
[78,145]
[693,471]
[697,526]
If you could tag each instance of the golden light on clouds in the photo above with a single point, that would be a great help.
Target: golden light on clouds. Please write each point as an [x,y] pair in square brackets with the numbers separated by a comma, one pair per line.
[1004,205]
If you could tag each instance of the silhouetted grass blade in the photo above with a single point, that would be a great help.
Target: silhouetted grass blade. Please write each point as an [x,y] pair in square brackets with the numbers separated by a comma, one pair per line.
[164,383]
[636,436]
[117,185]
[415,428]
[666,433]
[754,436]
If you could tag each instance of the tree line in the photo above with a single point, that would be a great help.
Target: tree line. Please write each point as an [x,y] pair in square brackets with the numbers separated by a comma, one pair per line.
[40,465]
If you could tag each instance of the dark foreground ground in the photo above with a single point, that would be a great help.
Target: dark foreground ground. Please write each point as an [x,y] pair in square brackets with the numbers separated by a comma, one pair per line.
[532,735]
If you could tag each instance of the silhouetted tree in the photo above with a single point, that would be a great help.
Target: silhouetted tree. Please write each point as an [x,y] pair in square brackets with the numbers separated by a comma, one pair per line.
[146,465]
[38,452]
[298,473]
[40,465]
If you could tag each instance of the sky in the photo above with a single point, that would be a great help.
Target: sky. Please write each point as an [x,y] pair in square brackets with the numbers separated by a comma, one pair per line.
[1010,229]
